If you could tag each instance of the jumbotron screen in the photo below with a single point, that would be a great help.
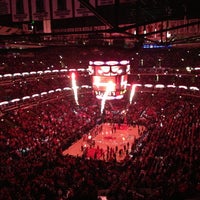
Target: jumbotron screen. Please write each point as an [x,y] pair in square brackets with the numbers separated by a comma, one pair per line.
[117,83]
[100,83]
[109,78]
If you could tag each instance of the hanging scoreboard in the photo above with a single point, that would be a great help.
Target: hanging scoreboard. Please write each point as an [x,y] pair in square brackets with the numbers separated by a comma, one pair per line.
[109,72]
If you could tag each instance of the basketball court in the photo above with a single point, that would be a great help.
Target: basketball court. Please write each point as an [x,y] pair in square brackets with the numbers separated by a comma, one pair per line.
[105,142]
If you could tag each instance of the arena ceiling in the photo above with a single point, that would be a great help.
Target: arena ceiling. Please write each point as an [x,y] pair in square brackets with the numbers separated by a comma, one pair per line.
[134,13]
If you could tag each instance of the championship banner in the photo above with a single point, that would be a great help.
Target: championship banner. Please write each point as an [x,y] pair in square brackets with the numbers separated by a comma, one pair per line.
[62,9]
[40,10]
[81,11]
[105,2]
[20,11]
[4,7]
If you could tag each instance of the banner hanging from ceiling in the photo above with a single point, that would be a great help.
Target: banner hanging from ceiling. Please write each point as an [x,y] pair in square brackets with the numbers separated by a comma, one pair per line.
[81,11]
[4,7]
[20,11]
[62,9]
[40,10]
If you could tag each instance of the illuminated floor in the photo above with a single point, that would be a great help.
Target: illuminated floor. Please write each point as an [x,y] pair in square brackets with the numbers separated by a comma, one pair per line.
[104,139]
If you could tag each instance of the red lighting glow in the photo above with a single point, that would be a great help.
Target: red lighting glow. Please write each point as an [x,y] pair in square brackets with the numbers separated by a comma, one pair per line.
[100,83]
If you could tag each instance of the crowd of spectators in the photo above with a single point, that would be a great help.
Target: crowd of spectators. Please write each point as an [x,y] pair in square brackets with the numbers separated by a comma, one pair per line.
[161,68]
[163,163]
[25,87]
[149,60]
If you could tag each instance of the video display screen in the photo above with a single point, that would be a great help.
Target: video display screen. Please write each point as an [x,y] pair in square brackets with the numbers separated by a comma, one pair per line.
[116,83]
[100,83]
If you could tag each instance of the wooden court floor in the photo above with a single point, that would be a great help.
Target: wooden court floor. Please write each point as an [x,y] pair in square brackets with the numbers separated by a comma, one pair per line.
[105,142]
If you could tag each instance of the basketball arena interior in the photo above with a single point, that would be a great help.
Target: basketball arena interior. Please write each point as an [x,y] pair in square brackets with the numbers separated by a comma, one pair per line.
[100,100]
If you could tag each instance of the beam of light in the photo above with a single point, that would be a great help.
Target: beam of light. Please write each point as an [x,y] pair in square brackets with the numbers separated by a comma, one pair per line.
[132,93]
[74,87]
[109,88]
